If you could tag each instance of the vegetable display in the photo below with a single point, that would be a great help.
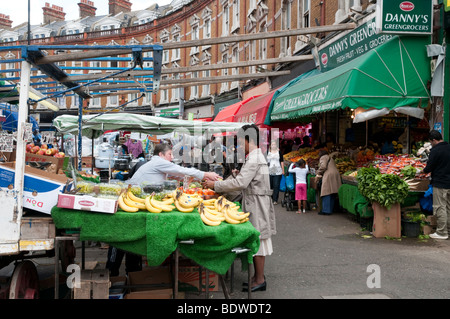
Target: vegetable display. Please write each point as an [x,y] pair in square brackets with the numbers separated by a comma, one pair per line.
[386,189]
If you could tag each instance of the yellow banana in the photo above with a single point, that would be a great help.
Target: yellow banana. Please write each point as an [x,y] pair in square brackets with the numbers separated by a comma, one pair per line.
[209,222]
[168,201]
[212,211]
[161,205]
[149,206]
[132,203]
[183,209]
[134,198]
[213,217]
[189,202]
[125,207]
[230,220]
[209,201]
[244,220]
[236,214]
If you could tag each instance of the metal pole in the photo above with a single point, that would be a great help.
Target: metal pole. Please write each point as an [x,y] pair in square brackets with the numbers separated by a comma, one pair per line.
[80,137]
[20,146]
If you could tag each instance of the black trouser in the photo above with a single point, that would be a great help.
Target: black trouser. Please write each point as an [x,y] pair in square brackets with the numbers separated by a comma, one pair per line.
[275,186]
[133,262]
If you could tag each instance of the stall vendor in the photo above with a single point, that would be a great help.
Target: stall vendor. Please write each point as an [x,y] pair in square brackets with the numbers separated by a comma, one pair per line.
[160,165]
[253,181]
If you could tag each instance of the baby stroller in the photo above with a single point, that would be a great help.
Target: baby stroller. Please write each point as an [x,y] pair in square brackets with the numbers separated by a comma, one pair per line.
[289,195]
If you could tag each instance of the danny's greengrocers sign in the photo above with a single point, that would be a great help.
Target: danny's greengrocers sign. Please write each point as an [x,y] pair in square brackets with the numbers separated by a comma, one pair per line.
[405,17]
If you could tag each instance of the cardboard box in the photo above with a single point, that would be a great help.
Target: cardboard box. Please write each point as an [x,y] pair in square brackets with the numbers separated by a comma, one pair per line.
[386,222]
[87,203]
[431,219]
[58,162]
[159,276]
[188,277]
[115,290]
[41,188]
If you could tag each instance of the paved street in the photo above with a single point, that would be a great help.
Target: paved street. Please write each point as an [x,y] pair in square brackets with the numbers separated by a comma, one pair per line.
[319,257]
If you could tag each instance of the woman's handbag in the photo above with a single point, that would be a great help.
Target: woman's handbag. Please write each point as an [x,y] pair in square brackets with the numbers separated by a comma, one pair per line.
[283,183]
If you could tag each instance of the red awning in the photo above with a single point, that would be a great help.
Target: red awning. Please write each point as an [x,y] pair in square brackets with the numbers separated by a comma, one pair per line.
[205,119]
[255,111]
[228,113]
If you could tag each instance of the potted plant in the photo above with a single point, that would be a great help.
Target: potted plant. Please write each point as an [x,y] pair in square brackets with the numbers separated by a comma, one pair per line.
[386,192]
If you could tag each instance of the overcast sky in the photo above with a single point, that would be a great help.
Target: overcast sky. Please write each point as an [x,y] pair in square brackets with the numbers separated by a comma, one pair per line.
[18,9]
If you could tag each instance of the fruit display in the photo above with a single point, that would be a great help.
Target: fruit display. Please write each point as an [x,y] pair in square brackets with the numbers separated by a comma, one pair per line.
[44,150]
[402,166]
[217,210]
[364,157]
[344,164]
[309,155]
[131,203]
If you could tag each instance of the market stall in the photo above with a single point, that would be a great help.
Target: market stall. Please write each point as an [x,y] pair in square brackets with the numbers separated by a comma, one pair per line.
[152,219]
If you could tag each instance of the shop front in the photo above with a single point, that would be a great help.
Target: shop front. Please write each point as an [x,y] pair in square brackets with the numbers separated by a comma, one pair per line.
[357,108]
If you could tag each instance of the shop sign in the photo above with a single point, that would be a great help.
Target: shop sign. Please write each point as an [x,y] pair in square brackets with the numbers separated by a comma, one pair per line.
[352,45]
[303,100]
[405,17]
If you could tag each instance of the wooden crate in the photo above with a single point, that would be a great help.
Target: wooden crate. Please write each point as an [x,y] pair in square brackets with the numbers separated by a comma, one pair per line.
[94,284]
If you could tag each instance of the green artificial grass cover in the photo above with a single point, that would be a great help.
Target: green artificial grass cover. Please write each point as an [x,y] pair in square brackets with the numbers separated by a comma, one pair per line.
[156,236]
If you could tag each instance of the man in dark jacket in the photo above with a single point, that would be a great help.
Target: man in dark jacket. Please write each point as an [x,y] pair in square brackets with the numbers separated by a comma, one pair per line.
[439,166]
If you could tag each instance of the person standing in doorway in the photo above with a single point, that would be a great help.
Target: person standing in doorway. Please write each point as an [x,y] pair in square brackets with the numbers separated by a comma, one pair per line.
[439,166]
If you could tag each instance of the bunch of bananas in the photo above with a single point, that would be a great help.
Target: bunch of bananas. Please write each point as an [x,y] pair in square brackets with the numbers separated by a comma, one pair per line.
[131,203]
[214,211]
[186,203]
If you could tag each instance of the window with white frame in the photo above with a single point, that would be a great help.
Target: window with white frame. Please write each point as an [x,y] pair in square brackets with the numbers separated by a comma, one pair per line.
[205,87]
[286,25]
[252,55]
[95,101]
[96,64]
[306,10]
[132,99]
[165,54]
[207,29]
[176,91]
[164,94]
[176,51]
[263,44]
[147,64]
[113,100]
[235,71]
[194,88]
[224,86]
[225,20]
[236,15]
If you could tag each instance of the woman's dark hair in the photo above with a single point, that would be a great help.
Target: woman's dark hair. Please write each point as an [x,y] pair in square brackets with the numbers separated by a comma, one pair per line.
[301,163]
[322,153]
[435,135]
[251,133]
[161,148]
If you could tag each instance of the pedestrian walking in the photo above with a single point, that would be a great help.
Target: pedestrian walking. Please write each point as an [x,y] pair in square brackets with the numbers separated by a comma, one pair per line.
[439,166]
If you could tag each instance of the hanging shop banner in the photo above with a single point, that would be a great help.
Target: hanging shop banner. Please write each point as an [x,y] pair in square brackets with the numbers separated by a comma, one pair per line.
[405,17]
[352,45]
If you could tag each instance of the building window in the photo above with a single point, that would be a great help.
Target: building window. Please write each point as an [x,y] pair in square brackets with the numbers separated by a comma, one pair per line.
[236,20]
[306,7]
[113,100]
[205,88]
[176,91]
[263,45]
[224,86]
[194,88]
[207,29]
[226,21]
[176,52]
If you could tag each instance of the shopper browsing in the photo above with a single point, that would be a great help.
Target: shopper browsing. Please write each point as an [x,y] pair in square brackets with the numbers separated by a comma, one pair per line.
[439,166]
[301,170]
[331,181]
[253,181]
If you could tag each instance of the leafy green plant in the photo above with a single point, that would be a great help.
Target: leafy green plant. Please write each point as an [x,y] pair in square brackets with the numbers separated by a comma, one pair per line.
[408,172]
[385,189]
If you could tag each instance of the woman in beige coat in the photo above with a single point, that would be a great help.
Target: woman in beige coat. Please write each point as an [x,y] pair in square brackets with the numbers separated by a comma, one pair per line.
[331,182]
[253,181]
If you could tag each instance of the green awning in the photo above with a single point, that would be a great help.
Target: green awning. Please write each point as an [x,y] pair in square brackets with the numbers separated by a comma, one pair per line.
[392,75]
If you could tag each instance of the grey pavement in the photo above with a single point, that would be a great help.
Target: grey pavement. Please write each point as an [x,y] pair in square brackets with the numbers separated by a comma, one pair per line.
[328,257]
